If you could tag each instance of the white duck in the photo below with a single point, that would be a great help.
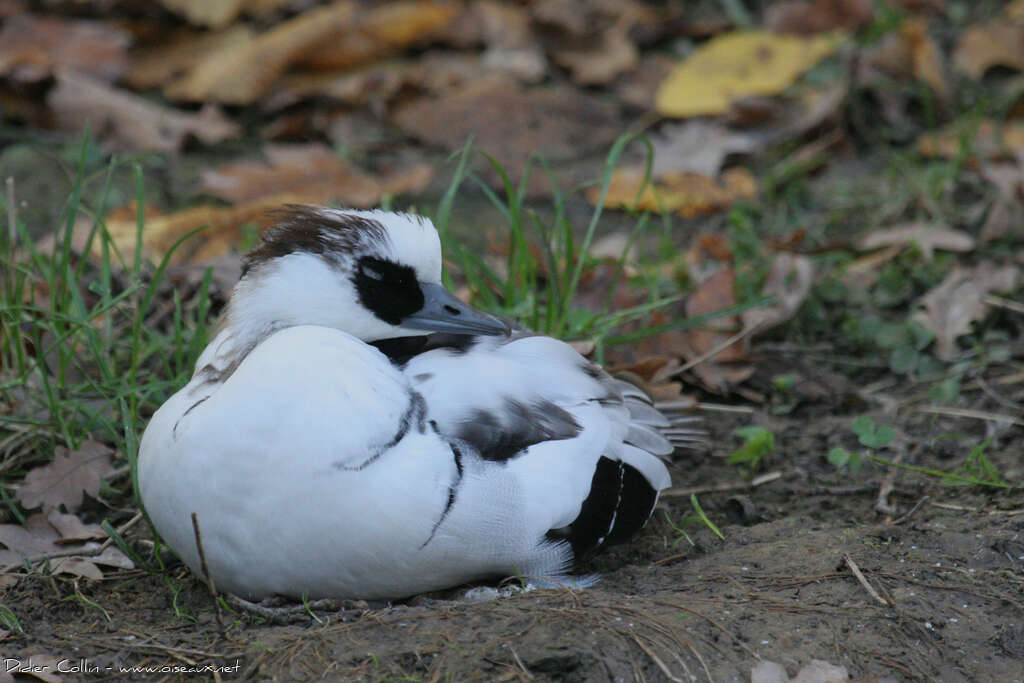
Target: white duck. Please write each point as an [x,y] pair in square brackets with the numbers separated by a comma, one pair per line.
[318,466]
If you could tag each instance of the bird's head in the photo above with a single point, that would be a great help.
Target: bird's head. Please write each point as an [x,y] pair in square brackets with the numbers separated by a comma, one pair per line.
[373,274]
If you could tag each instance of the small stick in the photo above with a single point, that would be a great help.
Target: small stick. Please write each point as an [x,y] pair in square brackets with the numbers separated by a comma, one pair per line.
[965,412]
[1000,302]
[863,580]
[717,488]
[206,573]
[714,351]
[917,505]
[519,663]
[657,660]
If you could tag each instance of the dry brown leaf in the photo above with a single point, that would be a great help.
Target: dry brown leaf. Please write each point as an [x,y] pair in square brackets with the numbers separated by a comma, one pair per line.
[808,18]
[509,121]
[735,65]
[126,121]
[698,146]
[67,478]
[212,13]
[160,64]
[998,42]
[789,279]
[242,73]
[74,530]
[37,537]
[950,309]
[313,170]
[911,53]
[688,194]
[357,86]
[728,367]
[506,31]
[381,31]
[990,140]
[926,236]
[45,45]
[602,60]
[1006,215]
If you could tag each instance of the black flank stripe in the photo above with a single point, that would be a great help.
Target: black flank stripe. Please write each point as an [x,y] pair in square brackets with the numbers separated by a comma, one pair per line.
[415,411]
[174,429]
[635,506]
[452,490]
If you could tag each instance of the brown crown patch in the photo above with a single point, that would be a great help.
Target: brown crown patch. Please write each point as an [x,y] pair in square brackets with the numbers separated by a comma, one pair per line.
[310,229]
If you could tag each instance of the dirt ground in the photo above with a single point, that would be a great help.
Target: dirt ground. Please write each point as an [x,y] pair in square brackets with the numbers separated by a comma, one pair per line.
[941,595]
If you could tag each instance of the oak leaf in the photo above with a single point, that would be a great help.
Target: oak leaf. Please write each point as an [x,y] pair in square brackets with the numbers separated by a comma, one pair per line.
[65,480]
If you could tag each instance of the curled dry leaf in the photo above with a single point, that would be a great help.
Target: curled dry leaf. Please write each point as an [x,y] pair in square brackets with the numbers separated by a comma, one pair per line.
[242,72]
[998,42]
[37,537]
[381,31]
[688,194]
[65,480]
[911,53]
[988,140]
[126,121]
[158,65]
[728,366]
[950,309]
[74,530]
[735,65]
[45,45]
[808,18]
[510,121]
[925,236]
[212,13]
[313,170]
[789,280]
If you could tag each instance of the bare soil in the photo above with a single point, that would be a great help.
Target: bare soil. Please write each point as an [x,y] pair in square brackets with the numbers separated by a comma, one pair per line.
[942,594]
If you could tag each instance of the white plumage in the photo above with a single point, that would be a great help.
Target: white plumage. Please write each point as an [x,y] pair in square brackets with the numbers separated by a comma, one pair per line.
[319,466]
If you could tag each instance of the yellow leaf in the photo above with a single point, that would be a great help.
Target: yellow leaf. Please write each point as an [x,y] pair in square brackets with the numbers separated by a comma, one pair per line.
[683,192]
[736,65]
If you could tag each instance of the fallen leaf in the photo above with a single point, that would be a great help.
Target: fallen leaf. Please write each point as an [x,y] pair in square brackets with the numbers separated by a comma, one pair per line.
[950,309]
[160,64]
[74,530]
[864,272]
[911,53]
[356,86]
[729,366]
[381,31]
[509,121]
[212,13]
[506,31]
[313,170]
[37,537]
[126,121]
[46,45]
[688,194]
[699,146]
[601,60]
[997,42]
[67,478]
[820,671]
[639,86]
[1006,214]
[736,65]
[820,16]
[926,236]
[988,140]
[789,279]
[242,72]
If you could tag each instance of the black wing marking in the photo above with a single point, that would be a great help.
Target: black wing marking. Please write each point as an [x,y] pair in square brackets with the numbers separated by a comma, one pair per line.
[498,436]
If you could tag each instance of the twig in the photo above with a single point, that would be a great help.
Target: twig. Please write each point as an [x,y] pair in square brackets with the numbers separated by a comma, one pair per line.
[718,488]
[966,412]
[725,408]
[964,508]
[657,660]
[519,663]
[917,505]
[863,580]
[714,351]
[1000,302]
[206,573]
